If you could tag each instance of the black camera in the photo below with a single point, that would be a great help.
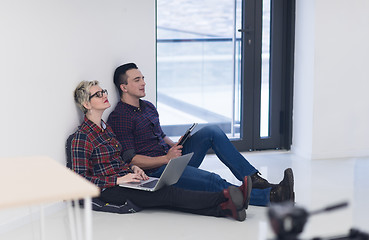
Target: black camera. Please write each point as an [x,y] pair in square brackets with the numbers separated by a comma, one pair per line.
[288,221]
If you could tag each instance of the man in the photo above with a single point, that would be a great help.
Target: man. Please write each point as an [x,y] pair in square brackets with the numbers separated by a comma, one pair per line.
[144,144]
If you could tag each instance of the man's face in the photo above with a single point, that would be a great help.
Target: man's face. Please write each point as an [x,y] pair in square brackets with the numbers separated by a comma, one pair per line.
[135,86]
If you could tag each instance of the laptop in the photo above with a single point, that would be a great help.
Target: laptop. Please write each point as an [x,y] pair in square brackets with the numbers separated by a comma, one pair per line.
[171,174]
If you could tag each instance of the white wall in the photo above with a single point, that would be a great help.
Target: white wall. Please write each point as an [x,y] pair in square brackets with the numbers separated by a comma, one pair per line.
[331,103]
[304,79]
[46,48]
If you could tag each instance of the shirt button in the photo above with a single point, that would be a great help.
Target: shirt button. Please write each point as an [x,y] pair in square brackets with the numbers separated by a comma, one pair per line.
[117,145]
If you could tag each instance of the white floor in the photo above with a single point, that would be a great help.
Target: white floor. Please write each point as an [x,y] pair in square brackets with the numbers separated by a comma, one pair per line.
[318,184]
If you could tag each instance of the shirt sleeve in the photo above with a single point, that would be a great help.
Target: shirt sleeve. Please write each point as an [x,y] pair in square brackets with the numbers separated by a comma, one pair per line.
[153,108]
[122,125]
[82,150]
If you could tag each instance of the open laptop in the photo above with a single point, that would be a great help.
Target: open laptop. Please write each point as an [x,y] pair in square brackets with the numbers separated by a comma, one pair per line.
[170,175]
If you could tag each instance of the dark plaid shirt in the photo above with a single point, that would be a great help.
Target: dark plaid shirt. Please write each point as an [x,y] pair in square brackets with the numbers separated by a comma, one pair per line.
[96,154]
[138,130]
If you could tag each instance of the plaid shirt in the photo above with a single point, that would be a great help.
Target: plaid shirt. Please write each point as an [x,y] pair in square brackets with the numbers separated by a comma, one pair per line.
[138,130]
[96,155]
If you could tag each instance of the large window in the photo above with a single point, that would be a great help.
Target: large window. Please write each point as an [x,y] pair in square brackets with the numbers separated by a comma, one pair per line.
[198,64]
[217,63]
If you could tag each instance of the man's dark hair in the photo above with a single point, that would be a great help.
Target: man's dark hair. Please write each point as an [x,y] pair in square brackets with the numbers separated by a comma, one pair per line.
[120,76]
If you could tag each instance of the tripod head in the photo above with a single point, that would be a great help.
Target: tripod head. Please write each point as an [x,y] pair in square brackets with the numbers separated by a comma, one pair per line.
[288,221]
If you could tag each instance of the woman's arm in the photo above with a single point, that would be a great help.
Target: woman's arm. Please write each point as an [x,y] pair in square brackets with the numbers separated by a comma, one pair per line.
[82,150]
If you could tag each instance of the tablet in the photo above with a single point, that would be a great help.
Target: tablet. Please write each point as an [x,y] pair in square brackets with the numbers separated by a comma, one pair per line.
[187,134]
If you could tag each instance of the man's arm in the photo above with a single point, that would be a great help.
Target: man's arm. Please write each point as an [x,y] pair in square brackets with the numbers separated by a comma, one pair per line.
[146,162]
[169,141]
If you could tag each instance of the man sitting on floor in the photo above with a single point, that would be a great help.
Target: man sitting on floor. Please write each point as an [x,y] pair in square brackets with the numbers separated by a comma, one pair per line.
[136,125]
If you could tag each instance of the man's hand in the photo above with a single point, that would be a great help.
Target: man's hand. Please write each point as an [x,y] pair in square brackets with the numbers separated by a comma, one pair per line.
[175,151]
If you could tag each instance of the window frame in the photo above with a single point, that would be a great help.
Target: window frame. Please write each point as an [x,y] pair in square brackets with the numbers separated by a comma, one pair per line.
[281,76]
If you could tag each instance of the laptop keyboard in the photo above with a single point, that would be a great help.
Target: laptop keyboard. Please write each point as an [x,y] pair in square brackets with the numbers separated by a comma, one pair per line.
[149,184]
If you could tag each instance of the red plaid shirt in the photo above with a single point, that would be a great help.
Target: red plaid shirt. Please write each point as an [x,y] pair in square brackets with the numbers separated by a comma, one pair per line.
[96,154]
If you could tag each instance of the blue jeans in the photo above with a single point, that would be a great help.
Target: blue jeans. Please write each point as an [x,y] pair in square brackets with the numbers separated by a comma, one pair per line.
[194,178]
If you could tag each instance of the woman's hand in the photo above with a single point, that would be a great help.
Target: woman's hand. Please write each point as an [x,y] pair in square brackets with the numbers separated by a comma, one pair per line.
[137,176]
[130,177]
[141,173]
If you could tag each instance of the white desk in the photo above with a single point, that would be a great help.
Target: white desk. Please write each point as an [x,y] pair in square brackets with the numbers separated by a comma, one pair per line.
[38,180]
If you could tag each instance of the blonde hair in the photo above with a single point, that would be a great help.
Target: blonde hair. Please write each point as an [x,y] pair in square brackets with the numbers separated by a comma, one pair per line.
[82,94]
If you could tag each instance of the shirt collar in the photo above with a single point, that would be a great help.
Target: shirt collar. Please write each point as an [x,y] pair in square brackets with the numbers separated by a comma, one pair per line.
[94,127]
[133,108]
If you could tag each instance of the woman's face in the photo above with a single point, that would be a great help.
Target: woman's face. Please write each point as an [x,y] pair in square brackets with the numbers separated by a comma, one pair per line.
[97,102]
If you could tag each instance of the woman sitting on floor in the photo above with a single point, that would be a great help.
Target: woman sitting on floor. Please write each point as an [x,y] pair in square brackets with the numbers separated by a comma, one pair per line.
[96,157]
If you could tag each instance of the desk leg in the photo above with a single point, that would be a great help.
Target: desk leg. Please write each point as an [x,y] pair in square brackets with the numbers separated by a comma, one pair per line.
[75,219]
[88,218]
[77,214]
[42,222]
[72,223]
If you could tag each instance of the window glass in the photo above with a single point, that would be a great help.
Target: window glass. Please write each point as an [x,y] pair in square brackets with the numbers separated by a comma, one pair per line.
[265,66]
[198,64]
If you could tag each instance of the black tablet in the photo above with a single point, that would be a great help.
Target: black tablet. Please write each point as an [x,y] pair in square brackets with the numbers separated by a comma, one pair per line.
[187,134]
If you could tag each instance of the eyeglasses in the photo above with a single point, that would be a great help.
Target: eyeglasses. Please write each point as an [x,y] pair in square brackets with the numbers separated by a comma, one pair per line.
[99,94]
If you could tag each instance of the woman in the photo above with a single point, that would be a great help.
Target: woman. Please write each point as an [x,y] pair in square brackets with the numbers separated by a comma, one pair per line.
[96,157]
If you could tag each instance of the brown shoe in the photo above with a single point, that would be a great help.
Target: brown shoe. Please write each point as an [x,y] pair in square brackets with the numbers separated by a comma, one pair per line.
[284,190]
[234,203]
[246,190]
[259,182]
